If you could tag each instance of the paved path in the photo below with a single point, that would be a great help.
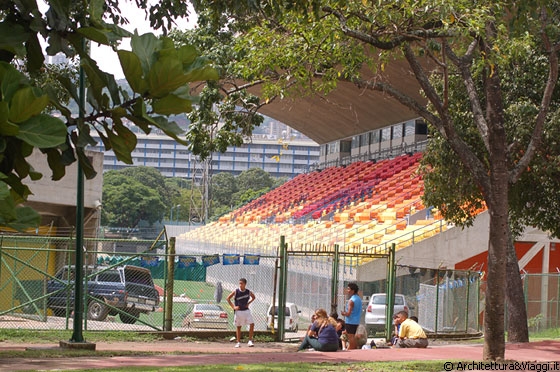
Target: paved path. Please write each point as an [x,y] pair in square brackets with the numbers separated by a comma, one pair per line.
[223,353]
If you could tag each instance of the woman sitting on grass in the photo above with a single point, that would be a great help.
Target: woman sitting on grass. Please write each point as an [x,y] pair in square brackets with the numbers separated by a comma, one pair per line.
[322,335]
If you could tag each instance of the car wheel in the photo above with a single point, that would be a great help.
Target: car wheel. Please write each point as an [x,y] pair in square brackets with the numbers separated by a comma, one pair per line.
[296,328]
[129,318]
[97,311]
[370,331]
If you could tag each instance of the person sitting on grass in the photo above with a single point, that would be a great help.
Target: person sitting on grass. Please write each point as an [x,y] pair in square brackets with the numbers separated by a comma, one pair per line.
[321,336]
[411,334]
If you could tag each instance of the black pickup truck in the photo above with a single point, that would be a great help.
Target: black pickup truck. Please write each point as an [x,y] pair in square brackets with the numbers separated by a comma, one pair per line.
[127,290]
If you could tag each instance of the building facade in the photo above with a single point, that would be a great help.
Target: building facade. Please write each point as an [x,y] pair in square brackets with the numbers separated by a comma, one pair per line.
[280,156]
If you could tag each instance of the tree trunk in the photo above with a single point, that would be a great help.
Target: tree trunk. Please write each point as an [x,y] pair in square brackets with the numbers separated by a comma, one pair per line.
[517,328]
[496,197]
[494,343]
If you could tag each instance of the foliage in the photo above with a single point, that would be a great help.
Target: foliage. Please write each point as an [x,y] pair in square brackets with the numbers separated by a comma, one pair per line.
[230,192]
[450,186]
[255,179]
[127,199]
[158,72]
[226,112]
[151,178]
[223,186]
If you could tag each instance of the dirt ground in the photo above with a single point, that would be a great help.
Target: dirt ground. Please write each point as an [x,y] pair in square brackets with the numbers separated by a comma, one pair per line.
[543,353]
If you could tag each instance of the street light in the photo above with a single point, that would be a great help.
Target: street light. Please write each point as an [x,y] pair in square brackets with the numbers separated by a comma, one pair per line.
[178,207]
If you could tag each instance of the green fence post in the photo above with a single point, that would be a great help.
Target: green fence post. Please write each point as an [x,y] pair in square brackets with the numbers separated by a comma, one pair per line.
[168,322]
[478,303]
[557,299]
[468,298]
[437,301]
[282,289]
[334,280]
[77,335]
[390,293]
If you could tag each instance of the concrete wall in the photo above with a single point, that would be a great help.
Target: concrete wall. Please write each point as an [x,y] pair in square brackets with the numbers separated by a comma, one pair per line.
[441,250]
[448,248]
[63,192]
[56,201]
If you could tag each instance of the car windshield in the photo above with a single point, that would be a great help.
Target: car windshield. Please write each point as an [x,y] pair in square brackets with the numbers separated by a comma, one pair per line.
[380,300]
[200,307]
[286,311]
[138,276]
[109,276]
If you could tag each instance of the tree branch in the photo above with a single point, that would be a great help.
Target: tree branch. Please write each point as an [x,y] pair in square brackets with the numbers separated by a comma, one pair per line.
[374,40]
[536,138]
[444,123]
[464,66]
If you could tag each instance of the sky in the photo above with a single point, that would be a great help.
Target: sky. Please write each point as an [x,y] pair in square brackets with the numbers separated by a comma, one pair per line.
[105,57]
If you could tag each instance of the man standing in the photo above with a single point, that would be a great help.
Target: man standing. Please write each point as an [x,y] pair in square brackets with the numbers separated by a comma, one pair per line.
[411,333]
[353,314]
[243,297]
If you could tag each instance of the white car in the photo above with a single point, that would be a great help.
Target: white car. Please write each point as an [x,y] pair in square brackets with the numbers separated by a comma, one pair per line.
[291,315]
[375,311]
[209,316]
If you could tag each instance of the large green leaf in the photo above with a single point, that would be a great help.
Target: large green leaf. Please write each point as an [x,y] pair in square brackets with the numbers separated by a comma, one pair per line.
[202,74]
[87,167]
[187,54]
[165,76]
[13,37]
[128,137]
[19,191]
[97,82]
[69,85]
[7,204]
[95,34]
[6,128]
[171,105]
[26,104]
[26,217]
[35,56]
[170,128]
[43,131]
[132,69]
[120,148]
[11,79]
[96,10]
[145,47]
[21,166]
[114,89]
[55,162]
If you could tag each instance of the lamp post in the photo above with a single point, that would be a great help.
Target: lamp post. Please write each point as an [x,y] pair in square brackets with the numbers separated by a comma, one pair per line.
[178,207]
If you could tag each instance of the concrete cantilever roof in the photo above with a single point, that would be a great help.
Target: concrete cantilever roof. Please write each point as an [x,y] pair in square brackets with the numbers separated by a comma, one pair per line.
[348,110]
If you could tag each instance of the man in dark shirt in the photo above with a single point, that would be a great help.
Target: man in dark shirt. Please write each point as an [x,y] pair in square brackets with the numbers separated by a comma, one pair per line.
[242,297]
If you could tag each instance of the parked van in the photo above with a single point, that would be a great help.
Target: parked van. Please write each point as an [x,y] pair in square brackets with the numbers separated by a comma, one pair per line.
[292,317]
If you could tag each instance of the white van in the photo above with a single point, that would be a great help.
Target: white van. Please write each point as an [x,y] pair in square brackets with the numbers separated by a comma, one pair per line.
[292,317]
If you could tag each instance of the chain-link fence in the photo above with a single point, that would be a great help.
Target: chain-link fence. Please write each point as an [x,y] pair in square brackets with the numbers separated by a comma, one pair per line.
[37,287]
[542,296]
[446,302]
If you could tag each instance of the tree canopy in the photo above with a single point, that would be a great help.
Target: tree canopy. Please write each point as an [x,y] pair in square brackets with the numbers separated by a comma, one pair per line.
[127,200]
[230,191]
[158,72]
[307,47]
